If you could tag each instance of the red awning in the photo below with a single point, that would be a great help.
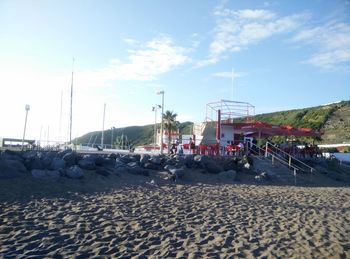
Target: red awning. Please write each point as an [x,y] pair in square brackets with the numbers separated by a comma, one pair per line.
[266,129]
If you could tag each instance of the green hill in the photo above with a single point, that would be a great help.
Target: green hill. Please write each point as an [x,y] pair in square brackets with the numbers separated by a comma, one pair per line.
[332,119]
[135,135]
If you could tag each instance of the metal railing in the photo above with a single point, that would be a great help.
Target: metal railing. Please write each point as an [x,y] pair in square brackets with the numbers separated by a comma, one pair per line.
[262,153]
[292,160]
[283,157]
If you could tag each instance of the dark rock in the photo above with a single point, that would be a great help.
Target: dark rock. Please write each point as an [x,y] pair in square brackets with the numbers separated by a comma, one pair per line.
[178,172]
[212,167]
[62,153]
[45,173]
[113,156]
[189,162]
[144,158]
[87,163]
[262,177]
[133,164]
[169,167]
[151,166]
[11,155]
[119,163]
[108,162]
[70,159]
[200,158]
[102,171]
[135,168]
[74,172]
[137,157]
[127,159]
[34,163]
[155,160]
[57,164]
[12,168]
[230,174]
[46,161]
[99,160]
[30,154]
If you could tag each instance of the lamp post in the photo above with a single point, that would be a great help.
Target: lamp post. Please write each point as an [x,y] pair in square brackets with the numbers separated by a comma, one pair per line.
[155,108]
[161,125]
[103,125]
[27,107]
[112,129]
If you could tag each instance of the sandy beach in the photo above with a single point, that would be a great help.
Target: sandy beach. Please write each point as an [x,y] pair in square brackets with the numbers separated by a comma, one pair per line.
[187,220]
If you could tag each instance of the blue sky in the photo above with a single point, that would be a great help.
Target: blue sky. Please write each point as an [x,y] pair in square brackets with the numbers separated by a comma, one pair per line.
[284,55]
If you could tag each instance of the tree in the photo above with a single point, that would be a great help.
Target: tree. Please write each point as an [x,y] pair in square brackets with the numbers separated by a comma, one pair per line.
[170,124]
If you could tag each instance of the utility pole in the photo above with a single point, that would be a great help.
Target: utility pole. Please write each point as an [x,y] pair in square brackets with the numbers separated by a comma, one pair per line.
[71,105]
[103,124]
[161,125]
[27,107]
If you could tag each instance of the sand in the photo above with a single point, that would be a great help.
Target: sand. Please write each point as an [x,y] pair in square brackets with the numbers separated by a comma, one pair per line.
[187,220]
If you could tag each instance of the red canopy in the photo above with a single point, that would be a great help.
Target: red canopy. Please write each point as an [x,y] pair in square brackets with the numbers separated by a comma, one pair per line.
[266,129]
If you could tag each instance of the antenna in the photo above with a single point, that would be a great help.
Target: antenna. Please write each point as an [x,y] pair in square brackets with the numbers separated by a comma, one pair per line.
[71,105]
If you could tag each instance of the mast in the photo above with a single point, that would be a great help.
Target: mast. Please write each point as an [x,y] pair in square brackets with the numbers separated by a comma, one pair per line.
[71,105]
[103,125]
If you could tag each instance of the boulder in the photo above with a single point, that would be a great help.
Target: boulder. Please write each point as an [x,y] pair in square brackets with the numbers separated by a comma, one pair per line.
[113,156]
[62,153]
[46,161]
[127,159]
[155,160]
[108,162]
[178,172]
[212,167]
[34,163]
[30,154]
[11,168]
[70,158]
[87,163]
[137,157]
[144,158]
[11,155]
[36,173]
[74,172]
[99,160]
[230,174]
[57,164]
[102,171]
[262,177]
[135,168]
[151,166]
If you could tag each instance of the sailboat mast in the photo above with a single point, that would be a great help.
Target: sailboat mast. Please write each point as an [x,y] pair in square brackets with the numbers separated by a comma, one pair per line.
[71,105]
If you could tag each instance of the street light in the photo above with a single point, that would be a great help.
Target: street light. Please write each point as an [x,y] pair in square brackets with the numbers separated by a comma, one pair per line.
[161,125]
[112,129]
[27,107]
[154,109]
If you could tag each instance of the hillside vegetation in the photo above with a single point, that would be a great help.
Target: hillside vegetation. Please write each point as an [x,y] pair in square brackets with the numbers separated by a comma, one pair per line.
[332,119]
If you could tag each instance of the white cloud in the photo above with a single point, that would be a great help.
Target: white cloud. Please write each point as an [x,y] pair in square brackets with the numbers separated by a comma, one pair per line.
[332,42]
[236,30]
[158,57]
[255,14]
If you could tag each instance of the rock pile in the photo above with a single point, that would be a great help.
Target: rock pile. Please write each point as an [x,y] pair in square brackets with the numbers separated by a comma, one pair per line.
[70,164]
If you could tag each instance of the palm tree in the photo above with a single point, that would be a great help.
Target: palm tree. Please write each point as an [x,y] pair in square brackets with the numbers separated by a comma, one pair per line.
[170,124]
